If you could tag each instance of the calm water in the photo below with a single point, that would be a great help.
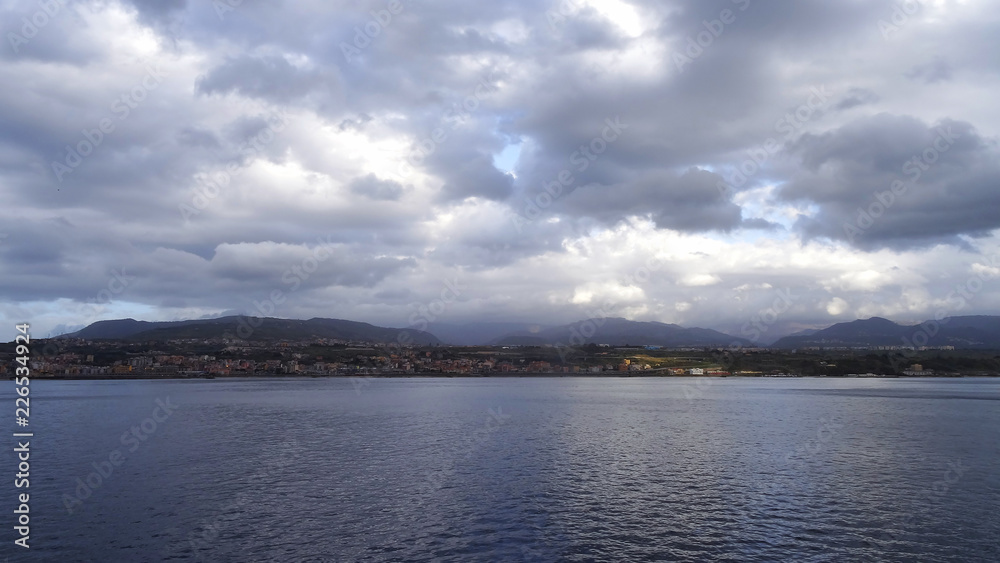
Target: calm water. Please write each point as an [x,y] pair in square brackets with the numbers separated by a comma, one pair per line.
[514,470]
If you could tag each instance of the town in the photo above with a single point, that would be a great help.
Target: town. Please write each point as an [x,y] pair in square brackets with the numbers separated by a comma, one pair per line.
[74,358]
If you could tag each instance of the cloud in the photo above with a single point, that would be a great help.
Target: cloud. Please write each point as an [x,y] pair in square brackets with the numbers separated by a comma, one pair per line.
[932,72]
[944,176]
[271,78]
[689,202]
[836,307]
[700,280]
[372,187]
[857,97]
[276,140]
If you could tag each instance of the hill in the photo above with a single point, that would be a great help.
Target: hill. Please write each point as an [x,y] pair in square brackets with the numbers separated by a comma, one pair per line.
[960,332]
[618,332]
[478,334]
[243,327]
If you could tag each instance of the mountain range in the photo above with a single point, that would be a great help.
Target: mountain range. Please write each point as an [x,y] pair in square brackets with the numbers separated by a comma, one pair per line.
[960,332]
[475,334]
[619,332]
[248,328]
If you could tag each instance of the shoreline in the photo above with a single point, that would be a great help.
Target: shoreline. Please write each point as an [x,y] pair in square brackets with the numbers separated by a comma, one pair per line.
[611,375]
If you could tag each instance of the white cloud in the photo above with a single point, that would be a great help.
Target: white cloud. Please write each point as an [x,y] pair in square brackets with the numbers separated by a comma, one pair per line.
[837,307]
[700,280]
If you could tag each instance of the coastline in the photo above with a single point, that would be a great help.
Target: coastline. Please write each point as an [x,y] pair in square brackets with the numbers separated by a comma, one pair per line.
[610,375]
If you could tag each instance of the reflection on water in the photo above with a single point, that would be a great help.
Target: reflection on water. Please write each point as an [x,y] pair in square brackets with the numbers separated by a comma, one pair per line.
[521,470]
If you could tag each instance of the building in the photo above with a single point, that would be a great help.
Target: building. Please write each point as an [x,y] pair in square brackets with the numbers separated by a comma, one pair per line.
[162,371]
[917,370]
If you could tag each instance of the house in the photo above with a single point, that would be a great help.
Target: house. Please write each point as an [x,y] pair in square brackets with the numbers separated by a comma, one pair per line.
[918,370]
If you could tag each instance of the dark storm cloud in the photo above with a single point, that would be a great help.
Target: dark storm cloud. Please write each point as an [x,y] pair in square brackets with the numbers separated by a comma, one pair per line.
[471,173]
[782,23]
[690,202]
[857,97]
[371,186]
[337,265]
[270,78]
[720,103]
[891,180]
[158,8]
[55,258]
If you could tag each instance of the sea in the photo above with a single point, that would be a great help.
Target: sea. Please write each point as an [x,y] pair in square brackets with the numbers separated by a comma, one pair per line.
[508,469]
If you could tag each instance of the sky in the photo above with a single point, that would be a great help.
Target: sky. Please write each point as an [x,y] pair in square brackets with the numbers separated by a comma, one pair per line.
[711,163]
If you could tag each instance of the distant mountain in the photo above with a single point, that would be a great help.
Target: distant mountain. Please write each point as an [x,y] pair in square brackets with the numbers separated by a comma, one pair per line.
[960,332]
[617,332]
[240,327]
[767,339]
[806,332]
[120,329]
[478,334]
